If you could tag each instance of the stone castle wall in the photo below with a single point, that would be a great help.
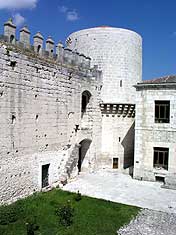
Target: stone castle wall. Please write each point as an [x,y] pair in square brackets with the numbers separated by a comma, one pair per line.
[40,106]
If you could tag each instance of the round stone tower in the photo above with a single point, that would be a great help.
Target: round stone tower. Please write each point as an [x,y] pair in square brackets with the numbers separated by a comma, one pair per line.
[118,53]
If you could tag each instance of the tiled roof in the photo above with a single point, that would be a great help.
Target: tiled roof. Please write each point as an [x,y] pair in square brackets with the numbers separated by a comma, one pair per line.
[167,79]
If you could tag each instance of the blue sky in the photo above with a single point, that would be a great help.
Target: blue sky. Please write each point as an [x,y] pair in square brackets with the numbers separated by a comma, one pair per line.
[154,20]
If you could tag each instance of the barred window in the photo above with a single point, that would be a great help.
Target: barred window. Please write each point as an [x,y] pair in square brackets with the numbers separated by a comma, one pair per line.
[161,156]
[162,111]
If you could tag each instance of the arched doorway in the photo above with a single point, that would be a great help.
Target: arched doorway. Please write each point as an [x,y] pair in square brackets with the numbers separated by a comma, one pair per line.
[83,149]
[85,100]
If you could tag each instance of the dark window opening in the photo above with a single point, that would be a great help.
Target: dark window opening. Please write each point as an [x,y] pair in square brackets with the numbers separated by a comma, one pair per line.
[161,156]
[45,175]
[162,111]
[115,163]
[85,100]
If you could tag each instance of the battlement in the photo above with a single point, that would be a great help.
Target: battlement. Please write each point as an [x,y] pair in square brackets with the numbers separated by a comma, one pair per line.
[58,53]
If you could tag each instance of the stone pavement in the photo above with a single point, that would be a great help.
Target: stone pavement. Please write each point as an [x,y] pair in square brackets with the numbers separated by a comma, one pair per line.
[150,222]
[113,186]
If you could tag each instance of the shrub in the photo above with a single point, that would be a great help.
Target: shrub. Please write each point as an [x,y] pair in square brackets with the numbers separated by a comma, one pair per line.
[11,213]
[78,196]
[31,226]
[65,214]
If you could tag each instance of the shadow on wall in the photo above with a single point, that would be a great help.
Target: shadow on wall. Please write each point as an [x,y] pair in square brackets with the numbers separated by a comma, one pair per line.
[128,145]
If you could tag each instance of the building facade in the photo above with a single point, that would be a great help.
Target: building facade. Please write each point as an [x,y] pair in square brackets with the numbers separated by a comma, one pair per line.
[155,131]
[70,109]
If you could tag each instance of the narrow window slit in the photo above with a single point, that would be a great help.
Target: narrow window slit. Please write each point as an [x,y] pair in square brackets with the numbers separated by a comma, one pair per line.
[13,119]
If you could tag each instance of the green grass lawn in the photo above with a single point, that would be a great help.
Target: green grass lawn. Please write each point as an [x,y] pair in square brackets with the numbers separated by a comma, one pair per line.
[90,217]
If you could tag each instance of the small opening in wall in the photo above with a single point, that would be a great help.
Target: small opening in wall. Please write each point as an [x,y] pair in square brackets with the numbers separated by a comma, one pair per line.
[35,96]
[52,51]
[45,175]
[160,179]
[36,117]
[13,64]
[119,139]
[13,119]
[1,93]
[120,83]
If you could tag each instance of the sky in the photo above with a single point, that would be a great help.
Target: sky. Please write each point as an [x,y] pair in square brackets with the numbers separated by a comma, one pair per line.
[154,20]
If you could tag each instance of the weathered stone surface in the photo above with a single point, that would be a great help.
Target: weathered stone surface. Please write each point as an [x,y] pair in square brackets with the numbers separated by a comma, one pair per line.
[170,181]
[40,105]
[150,222]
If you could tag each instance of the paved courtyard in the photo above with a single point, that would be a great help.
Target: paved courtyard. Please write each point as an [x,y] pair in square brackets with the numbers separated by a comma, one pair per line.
[111,185]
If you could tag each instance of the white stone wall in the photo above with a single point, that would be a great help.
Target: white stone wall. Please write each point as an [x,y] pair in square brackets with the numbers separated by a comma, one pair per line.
[117,140]
[149,134]
[118,53]
[40,104]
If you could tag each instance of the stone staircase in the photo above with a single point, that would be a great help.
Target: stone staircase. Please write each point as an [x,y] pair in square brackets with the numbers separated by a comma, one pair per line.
[70,165]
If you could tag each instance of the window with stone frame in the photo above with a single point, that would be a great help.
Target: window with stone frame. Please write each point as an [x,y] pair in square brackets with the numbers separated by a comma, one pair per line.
[161,158]
[162,111]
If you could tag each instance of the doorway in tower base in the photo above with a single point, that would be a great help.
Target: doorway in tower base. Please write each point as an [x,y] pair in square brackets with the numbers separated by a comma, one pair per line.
[45,175]
[115,163]
[83,152]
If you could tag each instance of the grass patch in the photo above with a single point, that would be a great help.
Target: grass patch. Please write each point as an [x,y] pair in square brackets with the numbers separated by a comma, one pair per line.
[90,216]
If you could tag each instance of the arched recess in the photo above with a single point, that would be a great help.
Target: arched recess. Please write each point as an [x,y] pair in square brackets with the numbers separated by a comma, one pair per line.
[83,150]
[86,95]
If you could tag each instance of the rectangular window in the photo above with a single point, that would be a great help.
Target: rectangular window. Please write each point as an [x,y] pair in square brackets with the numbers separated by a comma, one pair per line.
[162,111]
[115,163]
[161,157]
